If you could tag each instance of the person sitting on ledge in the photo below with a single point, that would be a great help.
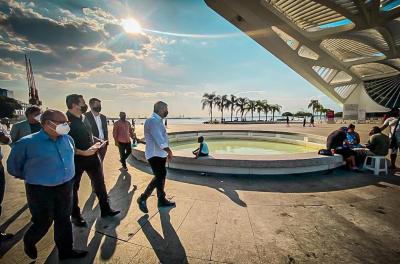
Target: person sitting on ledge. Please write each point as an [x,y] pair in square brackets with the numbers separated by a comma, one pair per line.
[337,143]
[202,150]
[135,140]
[353,137]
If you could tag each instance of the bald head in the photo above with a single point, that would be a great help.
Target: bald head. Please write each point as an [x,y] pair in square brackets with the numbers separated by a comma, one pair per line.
[54,116]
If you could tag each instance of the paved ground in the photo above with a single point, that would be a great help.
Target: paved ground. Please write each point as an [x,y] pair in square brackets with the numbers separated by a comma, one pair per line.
[337,217]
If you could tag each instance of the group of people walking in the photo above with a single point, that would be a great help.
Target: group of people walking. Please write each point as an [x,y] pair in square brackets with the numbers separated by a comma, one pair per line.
[50,151]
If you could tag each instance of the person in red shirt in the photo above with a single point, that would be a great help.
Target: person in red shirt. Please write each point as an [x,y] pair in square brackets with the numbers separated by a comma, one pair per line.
[123,133]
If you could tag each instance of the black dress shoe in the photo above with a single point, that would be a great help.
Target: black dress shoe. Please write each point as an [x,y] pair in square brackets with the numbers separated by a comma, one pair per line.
[30,250]
[142,205]
[73,254]
[165,203]
[78,221]
[110,212]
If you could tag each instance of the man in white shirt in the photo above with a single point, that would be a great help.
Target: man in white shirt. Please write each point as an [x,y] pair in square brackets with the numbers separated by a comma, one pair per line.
[394,134]
[157,152]
[98,124]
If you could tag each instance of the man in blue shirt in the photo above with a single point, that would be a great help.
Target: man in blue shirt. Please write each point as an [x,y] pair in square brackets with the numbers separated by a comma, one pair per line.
[202,150]
[45,161]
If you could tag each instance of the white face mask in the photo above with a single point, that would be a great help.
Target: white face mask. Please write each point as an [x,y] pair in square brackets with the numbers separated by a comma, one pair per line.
[62,129]
[37,118]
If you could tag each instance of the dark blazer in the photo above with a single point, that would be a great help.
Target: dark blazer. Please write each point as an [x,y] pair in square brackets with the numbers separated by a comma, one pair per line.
[20,130]
[92,122]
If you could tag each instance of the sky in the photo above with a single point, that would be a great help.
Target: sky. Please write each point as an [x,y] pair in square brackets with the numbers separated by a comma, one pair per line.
[184,51]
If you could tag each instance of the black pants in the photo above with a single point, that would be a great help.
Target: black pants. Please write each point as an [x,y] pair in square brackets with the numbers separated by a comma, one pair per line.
[2,186]
[158,182]
[92,166]
[48,204]
[345,152]
[125,151]
[102,152]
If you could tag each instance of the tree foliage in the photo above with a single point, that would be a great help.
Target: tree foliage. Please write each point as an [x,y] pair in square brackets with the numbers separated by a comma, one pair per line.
[8,106]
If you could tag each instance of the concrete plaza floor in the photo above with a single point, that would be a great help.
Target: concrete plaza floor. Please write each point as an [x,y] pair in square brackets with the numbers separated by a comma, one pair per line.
[336,217]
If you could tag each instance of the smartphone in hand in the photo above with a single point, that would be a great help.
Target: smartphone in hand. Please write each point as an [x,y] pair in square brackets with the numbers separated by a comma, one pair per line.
[103,143]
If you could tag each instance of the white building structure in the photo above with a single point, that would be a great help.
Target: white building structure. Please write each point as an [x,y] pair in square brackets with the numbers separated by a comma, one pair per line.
[349,49]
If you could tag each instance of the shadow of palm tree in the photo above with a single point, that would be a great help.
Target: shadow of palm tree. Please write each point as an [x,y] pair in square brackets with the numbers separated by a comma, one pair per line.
[103,227]
[167,246]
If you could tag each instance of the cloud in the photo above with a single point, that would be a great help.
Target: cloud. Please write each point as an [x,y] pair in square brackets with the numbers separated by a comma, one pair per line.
[61,76]
[257,92]
[106,85]
[71,45]
[4,76]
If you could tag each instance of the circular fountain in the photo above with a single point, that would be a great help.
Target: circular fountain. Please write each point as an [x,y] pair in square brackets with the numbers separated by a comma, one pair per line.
[244,152]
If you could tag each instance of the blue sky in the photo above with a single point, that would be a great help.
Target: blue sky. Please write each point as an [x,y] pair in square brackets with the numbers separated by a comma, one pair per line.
[80,47]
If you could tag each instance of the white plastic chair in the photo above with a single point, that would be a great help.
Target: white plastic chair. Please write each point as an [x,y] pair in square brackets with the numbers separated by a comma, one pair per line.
[375,165]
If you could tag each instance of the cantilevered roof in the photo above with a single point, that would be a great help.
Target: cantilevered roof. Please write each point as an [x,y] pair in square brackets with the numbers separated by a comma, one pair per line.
[337,45]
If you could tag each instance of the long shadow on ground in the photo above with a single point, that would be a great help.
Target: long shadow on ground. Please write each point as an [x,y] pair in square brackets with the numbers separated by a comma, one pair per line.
[124,194]
[173,252]
[328,181]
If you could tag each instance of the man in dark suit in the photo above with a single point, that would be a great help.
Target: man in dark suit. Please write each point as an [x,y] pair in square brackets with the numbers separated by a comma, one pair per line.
[98,123]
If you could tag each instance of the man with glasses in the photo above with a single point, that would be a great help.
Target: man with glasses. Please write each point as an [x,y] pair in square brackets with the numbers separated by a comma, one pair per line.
[86,159]
[45,161]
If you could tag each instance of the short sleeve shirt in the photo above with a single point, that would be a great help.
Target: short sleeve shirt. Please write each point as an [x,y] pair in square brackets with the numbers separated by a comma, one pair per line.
[335,139]
[391,122]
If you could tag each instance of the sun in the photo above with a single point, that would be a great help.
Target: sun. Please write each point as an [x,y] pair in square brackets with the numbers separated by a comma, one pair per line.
[131,26]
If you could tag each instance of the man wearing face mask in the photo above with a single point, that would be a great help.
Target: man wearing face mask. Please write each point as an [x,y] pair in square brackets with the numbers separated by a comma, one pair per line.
[45,161]
[29,126]
[123,133]
[98,122]
[157,152]
[86,159]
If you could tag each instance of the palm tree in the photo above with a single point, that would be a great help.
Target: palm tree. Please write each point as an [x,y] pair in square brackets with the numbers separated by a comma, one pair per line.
[266,108]
[232,104]
[251,106]
[322,110]
[208,101]
[241,106]
[259,108]
[221,101]
[314,104]
[275,108]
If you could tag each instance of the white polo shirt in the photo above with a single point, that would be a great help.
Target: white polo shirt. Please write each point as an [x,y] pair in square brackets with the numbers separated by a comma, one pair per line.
[156,137]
